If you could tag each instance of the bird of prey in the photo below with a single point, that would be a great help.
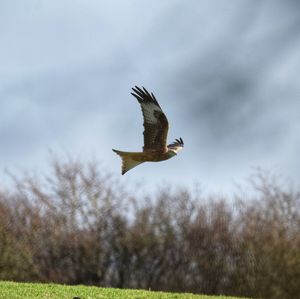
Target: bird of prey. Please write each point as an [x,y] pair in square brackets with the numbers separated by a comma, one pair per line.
[156,128]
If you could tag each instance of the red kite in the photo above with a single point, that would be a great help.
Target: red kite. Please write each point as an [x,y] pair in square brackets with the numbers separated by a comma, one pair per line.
[156,128]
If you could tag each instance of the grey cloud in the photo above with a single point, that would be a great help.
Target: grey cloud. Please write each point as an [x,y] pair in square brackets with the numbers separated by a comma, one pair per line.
[213,66]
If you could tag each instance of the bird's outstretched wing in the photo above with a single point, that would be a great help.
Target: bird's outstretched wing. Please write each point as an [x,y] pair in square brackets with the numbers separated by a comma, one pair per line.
[155,122]
[177,145]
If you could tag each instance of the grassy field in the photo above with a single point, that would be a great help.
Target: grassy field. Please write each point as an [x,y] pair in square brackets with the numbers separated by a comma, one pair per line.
[13,290]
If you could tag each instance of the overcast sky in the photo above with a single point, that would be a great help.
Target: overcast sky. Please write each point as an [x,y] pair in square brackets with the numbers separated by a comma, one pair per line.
[226,73]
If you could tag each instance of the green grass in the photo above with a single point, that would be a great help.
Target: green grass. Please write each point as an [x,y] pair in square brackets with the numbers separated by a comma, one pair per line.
[14,290]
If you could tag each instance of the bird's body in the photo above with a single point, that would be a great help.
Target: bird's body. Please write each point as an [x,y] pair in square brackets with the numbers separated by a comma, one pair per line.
[155,134]
[148,156]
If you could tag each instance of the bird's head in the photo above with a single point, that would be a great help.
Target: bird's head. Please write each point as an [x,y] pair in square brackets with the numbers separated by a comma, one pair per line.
[171,153]
[175,147]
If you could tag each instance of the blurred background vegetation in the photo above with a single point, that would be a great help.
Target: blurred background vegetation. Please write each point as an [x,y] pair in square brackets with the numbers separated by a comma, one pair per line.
[79,225]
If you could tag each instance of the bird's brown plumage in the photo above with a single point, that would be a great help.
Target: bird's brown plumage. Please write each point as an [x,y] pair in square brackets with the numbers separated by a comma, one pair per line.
[156,128]
[156,124]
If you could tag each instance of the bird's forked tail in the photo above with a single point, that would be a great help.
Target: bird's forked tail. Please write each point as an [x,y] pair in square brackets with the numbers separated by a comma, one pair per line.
[128,160]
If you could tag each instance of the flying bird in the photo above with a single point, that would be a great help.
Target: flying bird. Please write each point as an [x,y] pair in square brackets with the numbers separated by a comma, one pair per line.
[156,128]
